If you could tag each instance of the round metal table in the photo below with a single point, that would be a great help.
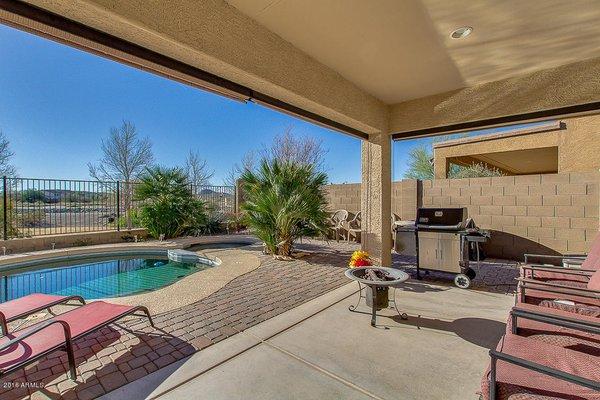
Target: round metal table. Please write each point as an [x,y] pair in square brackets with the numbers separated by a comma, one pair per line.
[356,275]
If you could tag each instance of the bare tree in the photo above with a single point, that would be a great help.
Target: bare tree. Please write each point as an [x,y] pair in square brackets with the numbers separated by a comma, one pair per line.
[6,154]
[296,148]
[196,169]
[285,147]
[237,169]
[124,157]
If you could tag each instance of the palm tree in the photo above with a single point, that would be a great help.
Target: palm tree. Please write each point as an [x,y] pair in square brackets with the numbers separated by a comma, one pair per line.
[284,201]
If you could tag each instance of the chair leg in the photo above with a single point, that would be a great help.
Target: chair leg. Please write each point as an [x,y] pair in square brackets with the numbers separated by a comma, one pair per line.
[145,311]
[492,378]
[71,358]
[3,325]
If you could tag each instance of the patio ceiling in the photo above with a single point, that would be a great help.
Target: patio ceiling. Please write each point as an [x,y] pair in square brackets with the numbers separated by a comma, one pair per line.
[359,67]
[402,50]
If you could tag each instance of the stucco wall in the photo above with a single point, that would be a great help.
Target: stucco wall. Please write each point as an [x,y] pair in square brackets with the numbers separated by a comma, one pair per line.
[576,139]
[551,213]
[216,37]
[566,85]
[579,146]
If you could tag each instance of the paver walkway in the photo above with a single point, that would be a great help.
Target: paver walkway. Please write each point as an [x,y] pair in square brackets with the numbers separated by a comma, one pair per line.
[129,350]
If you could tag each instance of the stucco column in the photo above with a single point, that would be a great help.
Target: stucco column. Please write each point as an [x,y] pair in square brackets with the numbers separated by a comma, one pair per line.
[376,198]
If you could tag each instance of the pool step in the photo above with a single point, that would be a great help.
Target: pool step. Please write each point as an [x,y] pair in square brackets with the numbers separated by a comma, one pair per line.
[189,257]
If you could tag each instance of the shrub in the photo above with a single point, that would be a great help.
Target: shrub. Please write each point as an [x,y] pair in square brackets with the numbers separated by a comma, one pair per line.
[284,201]
[11,219]
[33,196]
[169,206]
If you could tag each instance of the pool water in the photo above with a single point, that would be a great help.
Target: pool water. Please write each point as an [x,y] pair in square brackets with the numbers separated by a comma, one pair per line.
[96,278]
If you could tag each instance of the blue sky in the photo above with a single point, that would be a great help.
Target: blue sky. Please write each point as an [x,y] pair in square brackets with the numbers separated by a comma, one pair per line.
[57,102]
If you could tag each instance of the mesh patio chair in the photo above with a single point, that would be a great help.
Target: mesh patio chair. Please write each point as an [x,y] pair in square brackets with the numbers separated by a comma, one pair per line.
[22,307]
[25,346]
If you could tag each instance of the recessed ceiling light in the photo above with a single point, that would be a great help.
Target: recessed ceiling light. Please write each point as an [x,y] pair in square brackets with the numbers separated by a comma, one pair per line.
[461,32]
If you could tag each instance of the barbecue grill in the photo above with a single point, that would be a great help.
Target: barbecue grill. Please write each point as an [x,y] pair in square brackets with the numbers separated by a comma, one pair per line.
[444,240]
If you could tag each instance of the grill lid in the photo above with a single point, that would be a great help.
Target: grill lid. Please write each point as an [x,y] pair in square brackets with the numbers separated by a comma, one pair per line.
[441,218]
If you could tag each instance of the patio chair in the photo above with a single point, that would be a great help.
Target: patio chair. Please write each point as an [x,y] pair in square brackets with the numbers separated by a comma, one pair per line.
[24,306]
[589,262]
[337,220]
[353,227]
[576,297]
[525,368]
[557,327]
[22,347]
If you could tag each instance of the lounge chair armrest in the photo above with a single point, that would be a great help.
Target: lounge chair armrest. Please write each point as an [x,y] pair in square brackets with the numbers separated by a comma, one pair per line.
[526,283]
[561,269]
[555,373]
[553,257]
[41,327]
[553,319]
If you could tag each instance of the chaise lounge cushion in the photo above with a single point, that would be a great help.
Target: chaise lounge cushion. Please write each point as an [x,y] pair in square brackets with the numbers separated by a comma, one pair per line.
[573,339]
[81,320]
[517,381]
[594,283]
[591,262]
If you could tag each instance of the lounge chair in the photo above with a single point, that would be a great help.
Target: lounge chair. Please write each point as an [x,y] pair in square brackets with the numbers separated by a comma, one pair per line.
[24,306]
[525,368]
[579,297]
[589,262]
[557,327]
[22,347]
[337,220]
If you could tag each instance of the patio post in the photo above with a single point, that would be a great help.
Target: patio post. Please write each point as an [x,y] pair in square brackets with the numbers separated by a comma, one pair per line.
[376,198]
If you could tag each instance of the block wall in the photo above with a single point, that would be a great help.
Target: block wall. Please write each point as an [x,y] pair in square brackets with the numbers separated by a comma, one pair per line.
[549,213]
[405,199]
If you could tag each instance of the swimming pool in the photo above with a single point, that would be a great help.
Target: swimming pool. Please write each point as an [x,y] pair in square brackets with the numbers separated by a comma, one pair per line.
[95,277]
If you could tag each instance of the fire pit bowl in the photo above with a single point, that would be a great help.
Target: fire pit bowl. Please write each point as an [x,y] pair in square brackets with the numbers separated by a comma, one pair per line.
[376,282]
[393,277]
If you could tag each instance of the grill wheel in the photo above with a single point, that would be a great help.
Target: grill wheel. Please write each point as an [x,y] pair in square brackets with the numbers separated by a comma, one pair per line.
[462,281]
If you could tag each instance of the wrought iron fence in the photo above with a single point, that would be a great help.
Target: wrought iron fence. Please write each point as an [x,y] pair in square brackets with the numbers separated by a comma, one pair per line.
[37,207]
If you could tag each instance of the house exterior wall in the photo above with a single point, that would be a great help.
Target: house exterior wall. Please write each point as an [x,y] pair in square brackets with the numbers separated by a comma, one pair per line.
[577,143]
[549,213]
[214,36]
[566,85]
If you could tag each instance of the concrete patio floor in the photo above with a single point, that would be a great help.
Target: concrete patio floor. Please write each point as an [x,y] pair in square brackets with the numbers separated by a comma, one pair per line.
[320,350]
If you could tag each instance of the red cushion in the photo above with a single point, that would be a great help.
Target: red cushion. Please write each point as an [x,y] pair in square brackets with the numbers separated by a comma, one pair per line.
[524,380]
[594,283]
[592,261]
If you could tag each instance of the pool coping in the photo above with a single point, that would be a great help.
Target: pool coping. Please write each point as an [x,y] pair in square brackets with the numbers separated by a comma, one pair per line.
[150,247]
